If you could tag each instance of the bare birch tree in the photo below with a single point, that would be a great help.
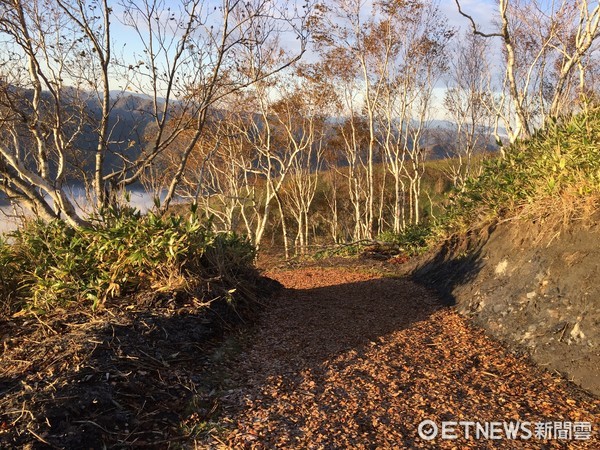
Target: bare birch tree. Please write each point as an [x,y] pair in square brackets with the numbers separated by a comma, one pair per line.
[413,37]
[301,118]
[468,102]
[348,147]
[60,64]
[544,46]
[344,30]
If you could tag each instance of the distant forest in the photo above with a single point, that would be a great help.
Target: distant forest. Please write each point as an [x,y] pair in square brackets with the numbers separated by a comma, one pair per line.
[305,118]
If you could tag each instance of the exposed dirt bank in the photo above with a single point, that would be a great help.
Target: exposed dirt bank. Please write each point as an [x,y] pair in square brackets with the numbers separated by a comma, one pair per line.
[532,285]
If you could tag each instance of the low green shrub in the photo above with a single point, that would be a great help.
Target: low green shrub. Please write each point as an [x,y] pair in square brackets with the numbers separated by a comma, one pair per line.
[46,264]
[414,240]
[9,279]
[339,250]
[561,160]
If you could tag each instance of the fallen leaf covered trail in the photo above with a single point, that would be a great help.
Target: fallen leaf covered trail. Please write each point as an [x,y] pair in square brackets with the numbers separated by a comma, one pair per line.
[344,359]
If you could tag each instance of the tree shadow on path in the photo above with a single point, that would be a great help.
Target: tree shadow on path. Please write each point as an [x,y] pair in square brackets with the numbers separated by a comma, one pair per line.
[321,322]
[316,331]
[342,359]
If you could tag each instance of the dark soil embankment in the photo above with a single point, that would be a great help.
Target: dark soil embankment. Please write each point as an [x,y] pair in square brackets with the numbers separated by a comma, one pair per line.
[135,374]
[529,284]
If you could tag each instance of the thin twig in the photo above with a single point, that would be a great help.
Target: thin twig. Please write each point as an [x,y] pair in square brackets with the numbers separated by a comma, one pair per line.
[41,439]
[23,411]
[96,425]
[474,25]
[44,323]
[489,373]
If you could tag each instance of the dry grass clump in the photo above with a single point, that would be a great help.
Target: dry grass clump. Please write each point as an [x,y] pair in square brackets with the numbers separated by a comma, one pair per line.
[552,176]
[49,264]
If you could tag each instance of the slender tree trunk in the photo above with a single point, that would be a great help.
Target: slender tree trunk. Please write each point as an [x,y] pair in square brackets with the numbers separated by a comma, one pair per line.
[283,228]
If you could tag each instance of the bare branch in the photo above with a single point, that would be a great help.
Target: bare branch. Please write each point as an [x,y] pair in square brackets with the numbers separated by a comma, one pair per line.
[474,25]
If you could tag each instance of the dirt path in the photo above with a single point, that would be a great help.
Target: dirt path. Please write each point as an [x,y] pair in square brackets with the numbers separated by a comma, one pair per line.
[349,360]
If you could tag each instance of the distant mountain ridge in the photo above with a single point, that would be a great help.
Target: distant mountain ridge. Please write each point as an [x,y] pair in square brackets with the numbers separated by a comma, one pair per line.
[132,113]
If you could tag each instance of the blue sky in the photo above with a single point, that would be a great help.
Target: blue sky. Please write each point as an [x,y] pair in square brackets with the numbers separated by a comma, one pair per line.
[481,11]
